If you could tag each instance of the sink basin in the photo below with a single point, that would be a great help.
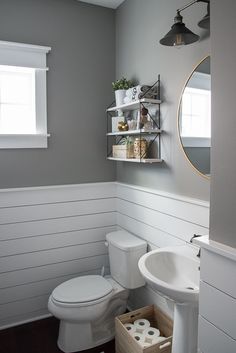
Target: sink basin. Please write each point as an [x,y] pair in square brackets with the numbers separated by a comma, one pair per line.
[173,271]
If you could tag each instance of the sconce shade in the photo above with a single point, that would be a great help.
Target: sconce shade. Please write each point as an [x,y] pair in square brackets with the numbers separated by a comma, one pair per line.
[205,21]
[179,35]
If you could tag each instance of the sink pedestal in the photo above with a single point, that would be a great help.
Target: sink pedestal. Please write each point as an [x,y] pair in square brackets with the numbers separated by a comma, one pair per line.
[185,328]
[174,273]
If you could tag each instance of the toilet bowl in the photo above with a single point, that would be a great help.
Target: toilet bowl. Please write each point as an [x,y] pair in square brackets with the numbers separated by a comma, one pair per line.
[88,305]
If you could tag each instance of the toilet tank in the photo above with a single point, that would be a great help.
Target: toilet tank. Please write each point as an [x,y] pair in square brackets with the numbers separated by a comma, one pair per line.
[125,250]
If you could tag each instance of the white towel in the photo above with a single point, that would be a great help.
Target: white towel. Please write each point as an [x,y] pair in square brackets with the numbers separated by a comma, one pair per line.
[138,92]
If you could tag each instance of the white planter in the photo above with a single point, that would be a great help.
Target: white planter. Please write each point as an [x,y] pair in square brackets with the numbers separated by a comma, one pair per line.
[120,94]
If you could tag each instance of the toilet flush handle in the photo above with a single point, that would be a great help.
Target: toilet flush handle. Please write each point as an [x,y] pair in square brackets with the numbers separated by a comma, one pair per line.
[103,268]
[103,271]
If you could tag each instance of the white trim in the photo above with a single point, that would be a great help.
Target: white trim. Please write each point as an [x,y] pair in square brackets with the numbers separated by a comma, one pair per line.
[8,141]
[59,187]
[23,55]
[24,46]
[167,194]
[112,185]
[216,247]
[34,57]
[22,322]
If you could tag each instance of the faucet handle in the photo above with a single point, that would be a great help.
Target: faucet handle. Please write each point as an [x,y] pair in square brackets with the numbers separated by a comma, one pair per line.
[195,236]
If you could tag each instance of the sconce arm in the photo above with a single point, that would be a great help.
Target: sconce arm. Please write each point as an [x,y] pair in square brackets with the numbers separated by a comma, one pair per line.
[190,4]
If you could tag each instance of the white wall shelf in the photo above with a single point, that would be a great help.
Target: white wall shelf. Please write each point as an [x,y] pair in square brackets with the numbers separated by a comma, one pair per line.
[138,160]
[134,105]
[152,151]
[135,132]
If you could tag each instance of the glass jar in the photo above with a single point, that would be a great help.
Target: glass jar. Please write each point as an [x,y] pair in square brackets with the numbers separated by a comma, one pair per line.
[140,148]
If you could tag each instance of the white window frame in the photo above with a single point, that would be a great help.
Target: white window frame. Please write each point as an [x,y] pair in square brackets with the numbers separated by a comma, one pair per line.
[199,80]
[31,56]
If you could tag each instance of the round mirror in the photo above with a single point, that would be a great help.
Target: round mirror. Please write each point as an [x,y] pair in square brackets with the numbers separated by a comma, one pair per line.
[194,118]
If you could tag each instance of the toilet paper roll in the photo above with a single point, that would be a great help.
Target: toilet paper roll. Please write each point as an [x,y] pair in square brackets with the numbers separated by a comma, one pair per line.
[139,337]
[151,334]
[130,328]
[141,325]
[158,339]
[146,344]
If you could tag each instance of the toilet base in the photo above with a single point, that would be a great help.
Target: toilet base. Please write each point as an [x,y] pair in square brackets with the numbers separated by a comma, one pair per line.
[75,336]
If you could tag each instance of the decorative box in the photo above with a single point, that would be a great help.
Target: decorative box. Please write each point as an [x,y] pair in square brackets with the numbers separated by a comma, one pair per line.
[123,151]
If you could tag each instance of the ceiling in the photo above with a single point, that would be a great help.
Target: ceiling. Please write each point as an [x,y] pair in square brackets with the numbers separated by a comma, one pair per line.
[113,4]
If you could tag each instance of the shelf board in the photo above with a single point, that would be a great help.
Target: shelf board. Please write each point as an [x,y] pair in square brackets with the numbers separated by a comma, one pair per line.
[134,105]
[134,132]
[134,160]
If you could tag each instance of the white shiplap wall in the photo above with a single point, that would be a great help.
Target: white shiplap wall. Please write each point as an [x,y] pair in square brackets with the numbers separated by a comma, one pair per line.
[49,235]
[162,219]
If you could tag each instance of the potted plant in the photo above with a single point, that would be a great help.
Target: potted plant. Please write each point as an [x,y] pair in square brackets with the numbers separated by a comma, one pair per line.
[120,87]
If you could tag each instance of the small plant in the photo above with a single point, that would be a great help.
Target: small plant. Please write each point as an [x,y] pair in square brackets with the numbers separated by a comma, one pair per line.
[128,141]
[123,83]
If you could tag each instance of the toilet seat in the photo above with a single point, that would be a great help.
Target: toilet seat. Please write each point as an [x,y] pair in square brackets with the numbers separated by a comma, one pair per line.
[82,291]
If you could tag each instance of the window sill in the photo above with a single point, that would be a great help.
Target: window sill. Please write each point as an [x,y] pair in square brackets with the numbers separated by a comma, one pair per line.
[8,141]
[196,141]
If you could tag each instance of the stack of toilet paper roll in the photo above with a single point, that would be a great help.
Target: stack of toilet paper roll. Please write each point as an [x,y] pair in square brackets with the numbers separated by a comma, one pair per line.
[143,333]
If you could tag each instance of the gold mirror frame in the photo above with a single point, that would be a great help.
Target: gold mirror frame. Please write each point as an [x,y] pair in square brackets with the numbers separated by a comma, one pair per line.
[178,113]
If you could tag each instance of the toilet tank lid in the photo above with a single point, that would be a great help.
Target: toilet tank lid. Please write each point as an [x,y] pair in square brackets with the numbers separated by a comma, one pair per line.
[125,241]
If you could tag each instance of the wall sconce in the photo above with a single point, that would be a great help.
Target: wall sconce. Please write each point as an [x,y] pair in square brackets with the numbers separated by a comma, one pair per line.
[179,34]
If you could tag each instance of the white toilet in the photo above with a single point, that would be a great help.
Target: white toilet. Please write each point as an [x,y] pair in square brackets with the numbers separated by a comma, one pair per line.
[87,305]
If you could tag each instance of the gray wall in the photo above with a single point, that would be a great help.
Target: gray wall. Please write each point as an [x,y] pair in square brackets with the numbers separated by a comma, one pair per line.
[140,24]
[223,165]
[82,66]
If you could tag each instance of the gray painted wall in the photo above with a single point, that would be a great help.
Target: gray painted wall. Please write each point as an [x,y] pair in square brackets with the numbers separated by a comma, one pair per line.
[140,24]
[223,186]
[82,66]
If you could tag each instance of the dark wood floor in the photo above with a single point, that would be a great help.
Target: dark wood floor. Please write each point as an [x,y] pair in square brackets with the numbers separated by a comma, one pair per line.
[39,337]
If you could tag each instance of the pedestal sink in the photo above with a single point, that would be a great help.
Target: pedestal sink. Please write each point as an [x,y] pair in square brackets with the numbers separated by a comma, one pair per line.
[174,273]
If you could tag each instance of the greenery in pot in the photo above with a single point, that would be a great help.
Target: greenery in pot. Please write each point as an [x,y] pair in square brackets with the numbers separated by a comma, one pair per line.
[128,141]
[123,83]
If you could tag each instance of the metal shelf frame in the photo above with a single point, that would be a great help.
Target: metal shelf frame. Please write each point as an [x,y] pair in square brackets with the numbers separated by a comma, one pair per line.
[155,132]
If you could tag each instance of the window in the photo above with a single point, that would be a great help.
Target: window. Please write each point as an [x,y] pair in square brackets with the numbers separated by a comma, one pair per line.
[196,112]
[23,113]
[17,100]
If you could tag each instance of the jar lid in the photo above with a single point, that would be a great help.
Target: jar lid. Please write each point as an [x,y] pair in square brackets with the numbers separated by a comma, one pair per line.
[140,139]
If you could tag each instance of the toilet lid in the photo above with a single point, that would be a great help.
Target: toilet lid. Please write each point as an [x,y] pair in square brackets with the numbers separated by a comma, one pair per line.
[82,289]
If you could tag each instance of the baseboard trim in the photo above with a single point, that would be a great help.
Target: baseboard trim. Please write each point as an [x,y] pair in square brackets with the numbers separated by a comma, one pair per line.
[23,322]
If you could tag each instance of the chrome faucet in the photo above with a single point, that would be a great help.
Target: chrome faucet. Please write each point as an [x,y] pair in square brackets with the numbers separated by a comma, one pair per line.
[191,240]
